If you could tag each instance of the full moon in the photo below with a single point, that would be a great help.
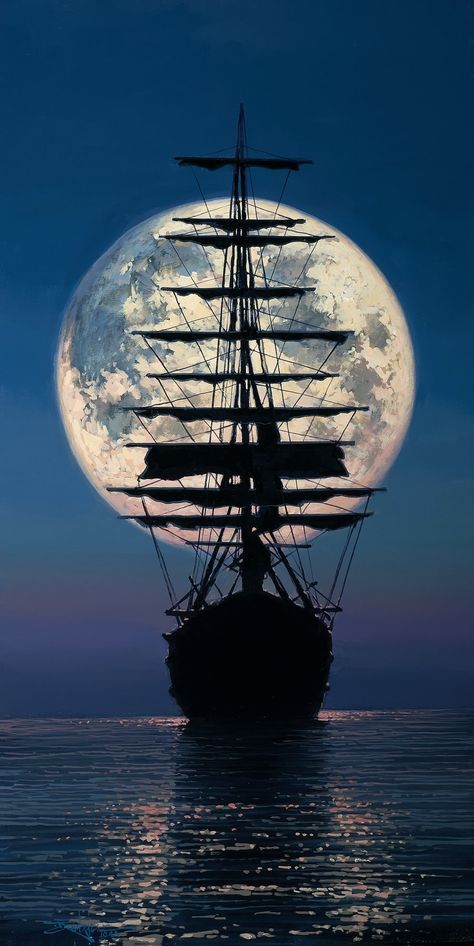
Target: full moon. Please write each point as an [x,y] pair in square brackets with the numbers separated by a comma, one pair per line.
[101,367]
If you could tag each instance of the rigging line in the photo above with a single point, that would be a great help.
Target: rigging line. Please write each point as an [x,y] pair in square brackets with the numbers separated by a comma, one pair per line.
[291,361]
[253,351]
[229,358]
[229,354]
[259,261]
[194,364]
[282,193]
[150,434]
[282,389]
[207,256]
[230,312]
[202,318]
[340,562]
[327,504]
[273,213]
[178,538]
[261,346]
[281,385]
[147,430]
[279,282]
[161,560]
[234,583]
[302,594]
[291,320]
[309,550]
[271,318]
[216,209]
[306,264]
[270,278]
[186,397]
[298,231]
[288,318]
[214,567]
[345,481]
[321,399]
[280,351]
[174,535]
[361,522]
[189,324]
[220,151]
[298,555]
[322,595]
[351,418]
[170,401]
[197,548]
[296,549]
[197,282]
[299,574]
[359,483]
[215,231]
[203,198]
[183,264]
[270,153]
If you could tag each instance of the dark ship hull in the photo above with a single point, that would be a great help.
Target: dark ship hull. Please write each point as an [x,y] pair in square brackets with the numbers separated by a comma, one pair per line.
[250,655]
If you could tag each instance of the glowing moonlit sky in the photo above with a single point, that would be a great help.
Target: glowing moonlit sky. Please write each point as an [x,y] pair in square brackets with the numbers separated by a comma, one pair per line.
[95,106]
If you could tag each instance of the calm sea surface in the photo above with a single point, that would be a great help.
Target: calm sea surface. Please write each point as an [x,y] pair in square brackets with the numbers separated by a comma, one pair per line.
[358,828]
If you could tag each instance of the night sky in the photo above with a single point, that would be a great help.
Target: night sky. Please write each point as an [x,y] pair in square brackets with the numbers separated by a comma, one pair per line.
[95,100]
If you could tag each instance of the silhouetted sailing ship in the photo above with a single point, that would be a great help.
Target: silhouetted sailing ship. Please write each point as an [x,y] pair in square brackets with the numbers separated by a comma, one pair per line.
[262,646]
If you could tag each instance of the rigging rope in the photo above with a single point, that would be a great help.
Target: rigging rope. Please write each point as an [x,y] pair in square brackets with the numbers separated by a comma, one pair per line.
[161,560]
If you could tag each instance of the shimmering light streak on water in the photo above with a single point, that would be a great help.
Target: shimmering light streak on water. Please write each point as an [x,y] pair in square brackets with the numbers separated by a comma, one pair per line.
[357,828]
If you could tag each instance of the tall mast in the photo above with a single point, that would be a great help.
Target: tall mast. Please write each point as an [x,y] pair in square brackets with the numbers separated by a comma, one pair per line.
[243,255]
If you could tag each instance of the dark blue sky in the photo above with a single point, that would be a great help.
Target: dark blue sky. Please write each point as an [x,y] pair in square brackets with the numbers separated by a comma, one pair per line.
[95,99]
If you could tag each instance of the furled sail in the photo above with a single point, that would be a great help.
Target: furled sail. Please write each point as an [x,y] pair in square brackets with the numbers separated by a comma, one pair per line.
[239,496]
[221,241]
[171,461]
[244,415]
[215,163]
[280,335]
[312,521]
[250,223]
[239,292]
[260,377]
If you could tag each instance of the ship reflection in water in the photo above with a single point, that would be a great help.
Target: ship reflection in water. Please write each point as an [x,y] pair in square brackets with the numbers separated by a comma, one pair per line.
[151,831]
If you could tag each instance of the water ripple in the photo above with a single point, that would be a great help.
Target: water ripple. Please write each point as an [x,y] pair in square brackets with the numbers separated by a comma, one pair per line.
[354,829]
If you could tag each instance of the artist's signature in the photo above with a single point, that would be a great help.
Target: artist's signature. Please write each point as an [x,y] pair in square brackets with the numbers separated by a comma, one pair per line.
[90,934]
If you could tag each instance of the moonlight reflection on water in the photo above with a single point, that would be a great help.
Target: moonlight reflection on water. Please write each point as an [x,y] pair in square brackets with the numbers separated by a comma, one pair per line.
[352,829]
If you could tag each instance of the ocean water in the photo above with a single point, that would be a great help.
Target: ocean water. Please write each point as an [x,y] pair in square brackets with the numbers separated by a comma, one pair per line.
[357,828]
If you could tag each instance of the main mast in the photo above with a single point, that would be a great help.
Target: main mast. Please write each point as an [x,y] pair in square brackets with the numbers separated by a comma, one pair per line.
[254,556]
